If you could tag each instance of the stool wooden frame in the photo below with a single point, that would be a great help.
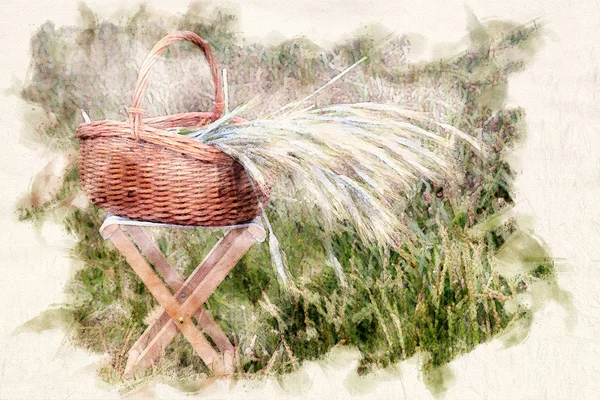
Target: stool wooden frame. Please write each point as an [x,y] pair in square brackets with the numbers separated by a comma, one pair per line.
[189,295]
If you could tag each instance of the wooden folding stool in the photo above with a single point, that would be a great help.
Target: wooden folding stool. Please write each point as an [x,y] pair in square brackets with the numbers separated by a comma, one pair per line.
[178,309]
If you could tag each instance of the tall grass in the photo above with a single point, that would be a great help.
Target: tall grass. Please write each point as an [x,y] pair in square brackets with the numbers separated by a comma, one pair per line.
[436,293]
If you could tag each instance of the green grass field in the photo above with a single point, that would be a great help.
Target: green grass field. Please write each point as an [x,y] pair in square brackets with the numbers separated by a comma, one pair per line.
[440,294]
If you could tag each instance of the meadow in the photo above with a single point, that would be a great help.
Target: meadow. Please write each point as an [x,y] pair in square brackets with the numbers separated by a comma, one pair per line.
[439,294]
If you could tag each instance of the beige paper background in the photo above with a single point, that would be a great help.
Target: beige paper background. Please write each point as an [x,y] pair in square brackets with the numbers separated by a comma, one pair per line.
[559,183]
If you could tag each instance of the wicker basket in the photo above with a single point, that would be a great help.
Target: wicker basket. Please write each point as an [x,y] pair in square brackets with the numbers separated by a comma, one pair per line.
[138,170]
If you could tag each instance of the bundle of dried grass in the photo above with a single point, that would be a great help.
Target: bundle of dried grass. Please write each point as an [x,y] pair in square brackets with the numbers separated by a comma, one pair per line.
[350,162]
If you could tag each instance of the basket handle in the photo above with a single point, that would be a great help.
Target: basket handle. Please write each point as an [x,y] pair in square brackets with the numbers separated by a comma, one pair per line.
[135,111]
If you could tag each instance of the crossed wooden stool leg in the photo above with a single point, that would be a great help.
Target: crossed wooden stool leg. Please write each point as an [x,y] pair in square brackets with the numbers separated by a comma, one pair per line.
[178,309]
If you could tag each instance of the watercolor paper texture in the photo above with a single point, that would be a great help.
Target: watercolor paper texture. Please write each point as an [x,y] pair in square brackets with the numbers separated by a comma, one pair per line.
[497,297]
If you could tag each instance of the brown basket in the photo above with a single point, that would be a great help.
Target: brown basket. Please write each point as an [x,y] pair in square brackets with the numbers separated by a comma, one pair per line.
[138,170]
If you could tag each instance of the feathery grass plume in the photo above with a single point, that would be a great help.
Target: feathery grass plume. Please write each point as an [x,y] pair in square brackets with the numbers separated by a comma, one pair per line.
[353,162]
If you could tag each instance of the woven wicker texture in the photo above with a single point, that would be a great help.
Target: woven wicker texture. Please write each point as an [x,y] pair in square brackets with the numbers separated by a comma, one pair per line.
[138,170]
